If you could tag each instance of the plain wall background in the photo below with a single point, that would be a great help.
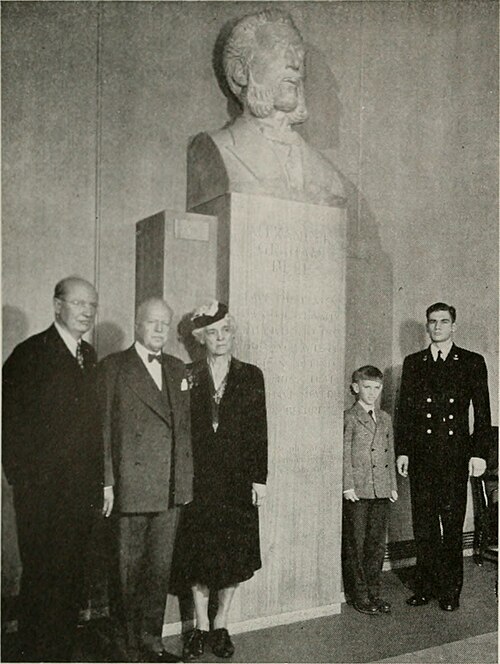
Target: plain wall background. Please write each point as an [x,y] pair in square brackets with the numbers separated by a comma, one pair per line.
[98,104]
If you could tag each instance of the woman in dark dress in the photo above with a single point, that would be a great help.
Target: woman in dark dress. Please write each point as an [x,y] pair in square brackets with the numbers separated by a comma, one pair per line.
[219,540]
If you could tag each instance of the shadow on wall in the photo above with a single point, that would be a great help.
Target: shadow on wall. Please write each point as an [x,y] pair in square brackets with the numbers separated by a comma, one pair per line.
[109,338]
[185,336]
[412,338]
[14,330]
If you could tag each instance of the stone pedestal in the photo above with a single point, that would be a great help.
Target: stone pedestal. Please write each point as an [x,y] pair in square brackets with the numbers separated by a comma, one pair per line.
[281,267]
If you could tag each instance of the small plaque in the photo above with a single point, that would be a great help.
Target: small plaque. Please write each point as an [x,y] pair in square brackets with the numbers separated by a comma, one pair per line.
[192,229]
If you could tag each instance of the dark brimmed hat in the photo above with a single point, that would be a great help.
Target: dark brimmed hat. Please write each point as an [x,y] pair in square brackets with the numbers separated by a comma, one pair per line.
[208,314]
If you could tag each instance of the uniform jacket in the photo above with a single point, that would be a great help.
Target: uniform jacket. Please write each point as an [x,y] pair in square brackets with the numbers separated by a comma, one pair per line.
[430,420]
[369,465]
[51,437]
[146,430]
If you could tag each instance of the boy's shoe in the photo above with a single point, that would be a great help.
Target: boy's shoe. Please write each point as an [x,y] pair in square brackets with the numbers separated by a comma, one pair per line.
[381,604]
[365,606]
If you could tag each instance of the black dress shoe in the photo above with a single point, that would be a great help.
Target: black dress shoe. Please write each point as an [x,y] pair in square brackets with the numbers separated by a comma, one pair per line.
[449,603]
[194,644]
[222,646]
[381,604]
[418,600]
[365,606]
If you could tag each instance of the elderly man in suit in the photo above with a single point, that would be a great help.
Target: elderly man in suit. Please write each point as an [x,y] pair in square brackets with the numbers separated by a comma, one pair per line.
[435,447]
[149,462]
[53,457]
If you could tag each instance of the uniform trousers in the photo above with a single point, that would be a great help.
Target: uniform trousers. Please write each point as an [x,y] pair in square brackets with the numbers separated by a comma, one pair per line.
[437,527]
[138,591]
[363,546]
[53,529]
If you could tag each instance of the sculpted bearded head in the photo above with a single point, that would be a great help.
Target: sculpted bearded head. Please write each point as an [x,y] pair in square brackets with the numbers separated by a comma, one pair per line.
[263,62]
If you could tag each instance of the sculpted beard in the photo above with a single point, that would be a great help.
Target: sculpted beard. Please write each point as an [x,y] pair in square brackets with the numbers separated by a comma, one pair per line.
[260,100]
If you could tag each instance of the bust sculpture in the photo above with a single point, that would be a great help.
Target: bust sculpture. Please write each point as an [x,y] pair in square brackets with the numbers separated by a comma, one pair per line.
[259,152]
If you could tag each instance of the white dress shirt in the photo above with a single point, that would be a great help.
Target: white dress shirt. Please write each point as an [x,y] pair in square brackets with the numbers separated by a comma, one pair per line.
[368,409]
[69,340]
[445,348]
[154,368]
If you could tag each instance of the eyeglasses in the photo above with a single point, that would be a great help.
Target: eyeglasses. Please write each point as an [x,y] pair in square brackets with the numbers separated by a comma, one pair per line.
[80,304]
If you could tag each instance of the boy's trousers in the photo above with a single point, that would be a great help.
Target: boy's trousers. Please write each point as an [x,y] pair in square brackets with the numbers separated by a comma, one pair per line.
[363,546]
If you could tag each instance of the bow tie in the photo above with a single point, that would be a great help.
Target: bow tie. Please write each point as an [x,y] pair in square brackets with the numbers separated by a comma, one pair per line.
[154,356]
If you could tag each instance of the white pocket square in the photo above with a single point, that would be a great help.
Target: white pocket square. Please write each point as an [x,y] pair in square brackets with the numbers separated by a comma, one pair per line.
[184,385]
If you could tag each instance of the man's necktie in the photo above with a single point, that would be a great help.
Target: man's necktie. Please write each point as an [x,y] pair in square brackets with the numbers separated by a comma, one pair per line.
[154,356]
[79,355]
[370,413]
[440,357]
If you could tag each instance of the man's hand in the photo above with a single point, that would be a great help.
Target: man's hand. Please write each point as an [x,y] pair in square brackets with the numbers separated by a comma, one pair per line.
[394,496]
[350,494]
[258,494]
[109,498]
[477,466]
[402,465]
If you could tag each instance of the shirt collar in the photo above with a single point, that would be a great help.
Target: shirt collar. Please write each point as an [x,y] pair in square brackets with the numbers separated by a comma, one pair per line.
[444,348]
[365,407]
[69,340]
[144,352]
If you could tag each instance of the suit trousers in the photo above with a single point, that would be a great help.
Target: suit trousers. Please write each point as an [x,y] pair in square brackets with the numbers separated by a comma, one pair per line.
[53,532]
[437,529]
[363,546]
[145,543]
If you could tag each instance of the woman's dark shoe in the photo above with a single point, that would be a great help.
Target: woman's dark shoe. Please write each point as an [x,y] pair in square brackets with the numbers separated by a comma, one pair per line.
[194,644]
[222,646]
[418,600]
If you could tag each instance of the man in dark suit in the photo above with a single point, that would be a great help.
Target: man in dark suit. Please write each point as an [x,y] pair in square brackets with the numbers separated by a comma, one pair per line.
[149,462]
[53,457]
[435,446]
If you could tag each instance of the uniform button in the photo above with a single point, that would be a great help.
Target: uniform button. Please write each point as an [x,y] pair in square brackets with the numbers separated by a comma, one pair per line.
[452,400]
[450,417]
[429,400]
[429,430]
[385,449]
[373,466]
[373,449]
[429,415]
[387,465]
[450,432]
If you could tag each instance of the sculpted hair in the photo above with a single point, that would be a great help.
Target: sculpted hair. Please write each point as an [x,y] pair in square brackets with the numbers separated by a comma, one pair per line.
[441,306]
[238,49]
[61,288]
[368,372]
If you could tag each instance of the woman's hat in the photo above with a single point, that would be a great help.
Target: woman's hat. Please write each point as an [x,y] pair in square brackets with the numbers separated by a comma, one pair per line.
[208,314]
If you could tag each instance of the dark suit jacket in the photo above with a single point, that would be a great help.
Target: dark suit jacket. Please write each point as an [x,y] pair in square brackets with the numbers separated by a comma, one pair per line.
[51,436]
[369,465]
[140,424]
[430,420]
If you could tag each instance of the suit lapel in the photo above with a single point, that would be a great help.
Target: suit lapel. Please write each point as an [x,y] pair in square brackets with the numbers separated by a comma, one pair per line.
[139,380]
[365,419]
[172,382]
